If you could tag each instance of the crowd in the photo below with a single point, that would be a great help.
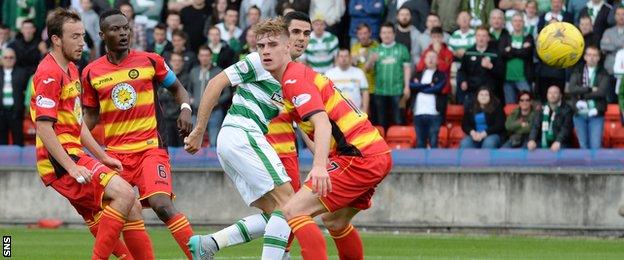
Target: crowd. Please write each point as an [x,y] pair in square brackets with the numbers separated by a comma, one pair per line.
[401,61]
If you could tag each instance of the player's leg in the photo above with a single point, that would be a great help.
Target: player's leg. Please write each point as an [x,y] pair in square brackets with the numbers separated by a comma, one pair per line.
[299,211]
[135,235]
[346,237]
[120,250]
[291,164]
[176,222]
[113,217]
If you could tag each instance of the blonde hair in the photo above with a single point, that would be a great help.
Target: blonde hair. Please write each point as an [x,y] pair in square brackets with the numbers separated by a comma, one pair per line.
[272,27]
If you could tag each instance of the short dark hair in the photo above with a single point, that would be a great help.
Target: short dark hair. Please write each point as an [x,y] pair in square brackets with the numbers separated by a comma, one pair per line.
[60,16]
[180,33]
[387,24]
[592,46]
[344,49]
[161,26]
[30,21]
[255,7]
[437,30]
[172,13]
[232,8]
[107,14]
[173,53]
[363,25]
[522,93]
[205,48]
[296,15]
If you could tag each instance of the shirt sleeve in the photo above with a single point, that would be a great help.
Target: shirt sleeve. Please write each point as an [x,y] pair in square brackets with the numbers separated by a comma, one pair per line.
[89,94]
[163,73]
[248,69]
[47,96]
[405,56]
[304,95]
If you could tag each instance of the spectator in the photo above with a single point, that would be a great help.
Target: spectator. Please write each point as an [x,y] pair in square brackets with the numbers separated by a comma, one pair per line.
[618,71]
[350,80]
[497,27]
[587,29]
[148,12]
[518,57]
[447,10]
[479,11]
[430,103]
[171,110]
[531,18]
[234,4]
[161,45]
[222,54]
[480,66]
[189,59]
[26,47]
[511,8]
[552,127]
[229,31]
[369,12]
[266,7]
[250,45]
[484,122]
[198,80]
[598,11]
[253,17]
[218,14]
[322,48]
[391,63]
[556,13]
[193,18]
[575,7]
[588,92]
[331,11]
[13,81]
[91,22]
[460,41]
[418,8]
[295,5]
[174,22]
[444,55]
[407,34]
[425,38]
[15,13]
[139,40]
[519,122]
[5,37]
[360,53]
[613,40]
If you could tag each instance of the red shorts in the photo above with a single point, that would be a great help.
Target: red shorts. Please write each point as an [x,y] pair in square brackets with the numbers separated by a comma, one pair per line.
[354,180]
[88,198]
[291,164]
[148,170]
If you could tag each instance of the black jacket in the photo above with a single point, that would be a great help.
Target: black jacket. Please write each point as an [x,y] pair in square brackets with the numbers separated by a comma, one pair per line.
[562,125]
[600,24]
[19,80]
[567,17]
[439,81]
[577,91]
[476,75]
[525,53]
[497,43]
[152,46]
[27,53]
[495,121]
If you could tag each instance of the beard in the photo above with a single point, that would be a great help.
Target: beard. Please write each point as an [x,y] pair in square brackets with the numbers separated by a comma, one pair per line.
[404,23]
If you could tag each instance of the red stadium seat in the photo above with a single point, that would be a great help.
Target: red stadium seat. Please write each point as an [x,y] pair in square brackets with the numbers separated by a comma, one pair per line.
[617,138]
[381,130]
[443,137]
[454,115]
[510,108]
[455,136]
[401,136]
[609,129]
[613,113]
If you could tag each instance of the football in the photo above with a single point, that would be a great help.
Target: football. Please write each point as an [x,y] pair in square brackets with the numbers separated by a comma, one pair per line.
[560,45]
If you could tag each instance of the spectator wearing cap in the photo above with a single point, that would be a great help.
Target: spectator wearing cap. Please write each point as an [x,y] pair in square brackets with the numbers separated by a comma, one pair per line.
[518,124]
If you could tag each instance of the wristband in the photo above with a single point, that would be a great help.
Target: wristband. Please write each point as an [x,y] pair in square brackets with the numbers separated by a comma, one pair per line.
[187,106]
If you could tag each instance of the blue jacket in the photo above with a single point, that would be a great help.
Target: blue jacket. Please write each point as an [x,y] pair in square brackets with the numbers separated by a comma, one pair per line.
[370,13]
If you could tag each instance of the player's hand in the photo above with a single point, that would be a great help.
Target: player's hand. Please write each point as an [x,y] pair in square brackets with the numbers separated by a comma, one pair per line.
[193,141]
[80,173]
[531,145]
[555,147]
[112,163]
[184,122]
[321,184]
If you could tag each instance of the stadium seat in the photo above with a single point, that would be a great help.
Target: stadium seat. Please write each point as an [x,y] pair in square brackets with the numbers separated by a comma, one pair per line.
[510,108]
[98,133]
[454,115]
[455,136]
[609,129]
[381,130]
[443,137]
[613,113]
[401,137]
[617,138]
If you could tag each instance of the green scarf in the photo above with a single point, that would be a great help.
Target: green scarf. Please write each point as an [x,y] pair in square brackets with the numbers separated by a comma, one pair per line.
[548,134]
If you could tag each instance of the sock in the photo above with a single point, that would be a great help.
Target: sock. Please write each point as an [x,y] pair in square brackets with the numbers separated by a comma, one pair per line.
[291,238]
[108,232]
[181,230]
[275,236]
[243,231]
[348,243]
[137,240]
[310,237]
[120,250]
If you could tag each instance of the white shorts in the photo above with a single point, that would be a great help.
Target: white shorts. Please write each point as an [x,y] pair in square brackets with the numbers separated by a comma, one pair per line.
[250,162]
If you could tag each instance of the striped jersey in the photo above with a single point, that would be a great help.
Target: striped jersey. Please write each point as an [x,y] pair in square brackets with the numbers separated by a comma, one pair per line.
[257,99]
[321,51]
[55,97]
[282,136]
[461,40]
[307,92]
[126,95]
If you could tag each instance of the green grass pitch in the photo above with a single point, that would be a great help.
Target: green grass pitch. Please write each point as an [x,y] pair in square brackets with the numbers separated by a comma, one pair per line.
[75,243]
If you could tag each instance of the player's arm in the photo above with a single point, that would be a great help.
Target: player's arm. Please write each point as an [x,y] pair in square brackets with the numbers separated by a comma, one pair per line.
[209,100]
[50,141]
[90,116]
[322,133]
[182,98]
[94,147]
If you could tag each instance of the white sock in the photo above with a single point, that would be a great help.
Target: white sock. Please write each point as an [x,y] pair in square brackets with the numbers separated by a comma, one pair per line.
[243,231]
[275,237]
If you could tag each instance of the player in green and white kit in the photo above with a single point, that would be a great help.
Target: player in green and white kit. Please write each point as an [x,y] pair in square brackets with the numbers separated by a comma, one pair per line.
[244,153]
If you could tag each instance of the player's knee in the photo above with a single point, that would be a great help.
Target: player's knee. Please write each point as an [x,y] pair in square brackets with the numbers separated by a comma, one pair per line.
[163,208]
[135,211]
[125,197]
[332,222]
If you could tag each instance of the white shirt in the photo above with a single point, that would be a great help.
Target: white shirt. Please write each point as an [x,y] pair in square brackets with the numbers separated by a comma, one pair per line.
[225,34]
[351,82]
[618,69]
[426,103]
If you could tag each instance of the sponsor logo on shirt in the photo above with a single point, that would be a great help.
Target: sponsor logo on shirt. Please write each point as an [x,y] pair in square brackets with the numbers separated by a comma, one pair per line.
[124,96]
[44,102]
[48,81]
[242,67]
[301,99]
[290,81]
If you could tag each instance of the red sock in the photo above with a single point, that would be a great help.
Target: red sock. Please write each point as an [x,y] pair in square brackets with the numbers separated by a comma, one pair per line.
[107,236]
[310,238]
[120,250]
[348,243]
[137,240]
[181,230]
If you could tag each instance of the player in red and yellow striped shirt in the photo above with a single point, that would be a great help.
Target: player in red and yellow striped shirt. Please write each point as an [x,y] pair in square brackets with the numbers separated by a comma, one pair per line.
[102,198]
[359,158]
[120,89]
